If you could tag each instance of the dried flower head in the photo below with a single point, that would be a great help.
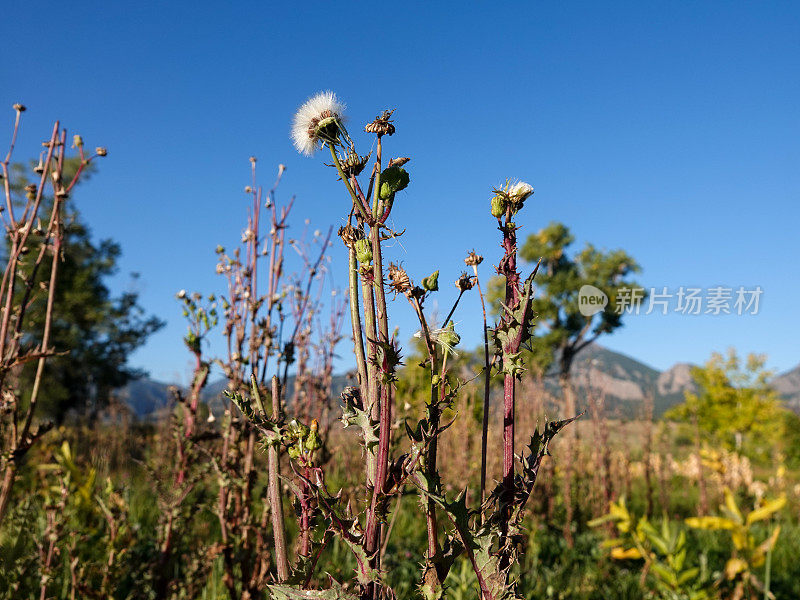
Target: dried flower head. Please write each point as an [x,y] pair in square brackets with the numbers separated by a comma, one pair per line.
[350,234]
[473,260]
[19,107]
[352,164]
[382,125]
[399,281]
[100,151]
[465,282]
[317,122]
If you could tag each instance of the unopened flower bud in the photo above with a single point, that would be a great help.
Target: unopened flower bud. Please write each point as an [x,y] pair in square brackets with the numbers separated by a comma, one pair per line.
[449,336]
[363,251]
[431,282]
[498,206]
[393,179]
[100,151]
[19,107]
[77,141]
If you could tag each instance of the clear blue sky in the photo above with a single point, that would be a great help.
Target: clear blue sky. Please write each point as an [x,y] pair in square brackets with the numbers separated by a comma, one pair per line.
[668,129]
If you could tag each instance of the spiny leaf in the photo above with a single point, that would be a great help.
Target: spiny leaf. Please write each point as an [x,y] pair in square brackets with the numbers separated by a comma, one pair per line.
[290,592]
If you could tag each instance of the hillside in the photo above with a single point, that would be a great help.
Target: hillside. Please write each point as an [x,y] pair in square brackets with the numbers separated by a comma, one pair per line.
[624,381]
[788,385]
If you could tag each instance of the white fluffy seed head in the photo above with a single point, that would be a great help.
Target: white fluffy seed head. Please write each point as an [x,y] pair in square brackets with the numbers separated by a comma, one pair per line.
[308,116]
[519,190]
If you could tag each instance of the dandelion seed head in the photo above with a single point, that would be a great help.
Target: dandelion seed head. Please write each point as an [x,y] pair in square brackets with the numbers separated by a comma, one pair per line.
[520,191]
[318,112]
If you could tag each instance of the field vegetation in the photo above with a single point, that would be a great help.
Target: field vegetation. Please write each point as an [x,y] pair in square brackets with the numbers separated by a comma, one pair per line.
[439,472]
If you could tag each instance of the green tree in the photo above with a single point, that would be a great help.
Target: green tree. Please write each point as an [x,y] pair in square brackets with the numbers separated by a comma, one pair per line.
[734,404]
[561,329]
[93,330]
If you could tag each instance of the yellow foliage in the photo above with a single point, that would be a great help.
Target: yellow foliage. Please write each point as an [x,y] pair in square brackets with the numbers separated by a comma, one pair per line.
[766,510]
[620,553]
[735,566]
[712,523]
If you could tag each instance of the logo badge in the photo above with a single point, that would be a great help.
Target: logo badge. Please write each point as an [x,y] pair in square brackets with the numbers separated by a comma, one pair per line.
[591,300]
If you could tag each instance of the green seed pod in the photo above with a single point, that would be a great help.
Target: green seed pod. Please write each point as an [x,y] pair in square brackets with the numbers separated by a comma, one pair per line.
[312,442]
[431,282]
[498,206]
[363,251]
[393,179]
[449,336]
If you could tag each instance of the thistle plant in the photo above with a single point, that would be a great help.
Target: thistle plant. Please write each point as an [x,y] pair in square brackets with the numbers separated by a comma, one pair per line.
[486,535]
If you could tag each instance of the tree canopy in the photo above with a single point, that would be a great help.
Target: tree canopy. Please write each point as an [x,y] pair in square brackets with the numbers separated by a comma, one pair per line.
[561,329]
[734,404]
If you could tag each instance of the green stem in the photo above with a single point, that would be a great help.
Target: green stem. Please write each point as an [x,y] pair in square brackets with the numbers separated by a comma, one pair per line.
[431,455]
[486,383]
[376,189]
[768,575]
[371,400]
[355,317]
[356,202]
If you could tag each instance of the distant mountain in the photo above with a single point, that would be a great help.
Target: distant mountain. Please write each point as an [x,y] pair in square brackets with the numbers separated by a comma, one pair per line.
[624,381]
[788,386]
[148,397]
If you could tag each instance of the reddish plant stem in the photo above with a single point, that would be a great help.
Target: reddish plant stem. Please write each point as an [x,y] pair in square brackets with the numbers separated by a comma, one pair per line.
[372,534]
[56,232]
[508,269]
[4,164]
[18,243]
